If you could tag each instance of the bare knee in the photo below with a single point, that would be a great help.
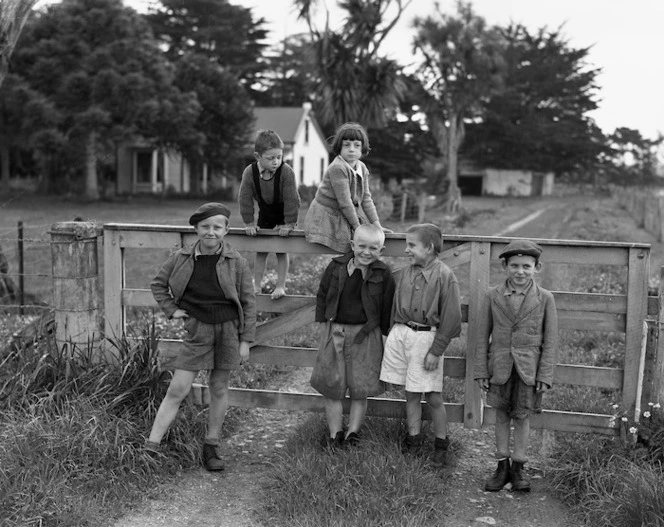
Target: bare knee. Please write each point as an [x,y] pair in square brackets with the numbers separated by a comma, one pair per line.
[218,385]
[177,391]
[434,399]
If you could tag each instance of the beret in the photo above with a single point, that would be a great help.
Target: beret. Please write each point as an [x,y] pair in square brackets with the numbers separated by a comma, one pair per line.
[207,210]
[521,248]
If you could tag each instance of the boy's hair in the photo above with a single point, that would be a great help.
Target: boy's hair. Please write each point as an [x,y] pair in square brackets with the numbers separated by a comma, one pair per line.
[350,132]
[266,140]
[372,230]
[428,234]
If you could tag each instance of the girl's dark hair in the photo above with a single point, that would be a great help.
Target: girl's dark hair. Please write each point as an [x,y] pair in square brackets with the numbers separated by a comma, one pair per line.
[428,234]
[350,132]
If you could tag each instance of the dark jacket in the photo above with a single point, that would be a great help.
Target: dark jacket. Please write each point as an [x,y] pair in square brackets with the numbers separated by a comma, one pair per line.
[377,294]
[234,277]
[527,339]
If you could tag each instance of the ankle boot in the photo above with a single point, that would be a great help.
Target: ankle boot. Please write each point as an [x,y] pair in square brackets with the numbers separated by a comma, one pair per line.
[500,477]
[440,447]
[211,460]
[519,481]
[413,445]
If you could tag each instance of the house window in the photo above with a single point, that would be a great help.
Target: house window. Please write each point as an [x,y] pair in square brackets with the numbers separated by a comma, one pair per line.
[306,131]
[301,170]
[144,166]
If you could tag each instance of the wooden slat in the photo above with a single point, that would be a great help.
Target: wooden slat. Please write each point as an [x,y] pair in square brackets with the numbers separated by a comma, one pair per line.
[456,256]
[588,376]
[564,421]
[600,303]
[114,281]
[284,324]
[150,240]
[589,321]
[479,282]
[637,287]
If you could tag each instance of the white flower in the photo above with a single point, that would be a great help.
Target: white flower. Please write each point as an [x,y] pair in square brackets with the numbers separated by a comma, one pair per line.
[624,419]
[633,430]
[651,404]
[612,423]
[615,406]
[646,414]
[657,405]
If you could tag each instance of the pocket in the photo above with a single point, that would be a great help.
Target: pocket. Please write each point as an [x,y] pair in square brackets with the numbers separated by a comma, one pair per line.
[190,325]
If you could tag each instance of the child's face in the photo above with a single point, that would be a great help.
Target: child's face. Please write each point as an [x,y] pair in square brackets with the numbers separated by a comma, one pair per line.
[520,269]
[367,248]
[211,232]
[270,159]
[419,253]
[351,151]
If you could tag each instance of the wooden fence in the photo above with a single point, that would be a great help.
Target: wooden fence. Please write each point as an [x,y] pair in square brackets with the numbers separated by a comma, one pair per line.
[471,257]
[645,205]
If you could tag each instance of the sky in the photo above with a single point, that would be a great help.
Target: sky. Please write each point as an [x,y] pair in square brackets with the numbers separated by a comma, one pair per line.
[626,40]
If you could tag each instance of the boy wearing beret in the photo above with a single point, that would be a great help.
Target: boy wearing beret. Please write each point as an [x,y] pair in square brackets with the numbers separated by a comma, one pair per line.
[210,287]
[515,357]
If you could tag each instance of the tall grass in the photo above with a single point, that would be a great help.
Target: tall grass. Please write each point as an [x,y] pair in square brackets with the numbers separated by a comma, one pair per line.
[72,430]
[372,484]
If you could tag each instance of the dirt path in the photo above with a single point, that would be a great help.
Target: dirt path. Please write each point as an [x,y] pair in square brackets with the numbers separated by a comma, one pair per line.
[202,499]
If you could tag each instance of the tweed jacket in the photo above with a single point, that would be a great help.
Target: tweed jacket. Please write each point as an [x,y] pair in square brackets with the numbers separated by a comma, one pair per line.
[377,294]
[234,277]
[527,339]
[341,189]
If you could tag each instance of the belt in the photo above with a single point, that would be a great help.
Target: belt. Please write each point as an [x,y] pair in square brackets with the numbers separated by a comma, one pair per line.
[419,327]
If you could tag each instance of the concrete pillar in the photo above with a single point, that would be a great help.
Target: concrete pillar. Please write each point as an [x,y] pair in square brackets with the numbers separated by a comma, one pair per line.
[76,285]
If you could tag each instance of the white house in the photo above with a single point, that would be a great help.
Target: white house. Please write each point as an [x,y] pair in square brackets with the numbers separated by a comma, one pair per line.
[305,147]
[479,181]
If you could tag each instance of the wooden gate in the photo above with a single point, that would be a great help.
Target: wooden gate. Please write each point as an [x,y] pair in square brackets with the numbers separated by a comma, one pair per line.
[471,257]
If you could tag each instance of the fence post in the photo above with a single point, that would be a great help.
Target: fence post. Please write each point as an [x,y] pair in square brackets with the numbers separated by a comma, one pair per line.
[75,285]
[21,270]
[653,385]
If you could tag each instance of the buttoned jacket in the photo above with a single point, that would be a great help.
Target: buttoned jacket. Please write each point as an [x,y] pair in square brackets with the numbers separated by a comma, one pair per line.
[234,277]
[527,339]
[377,292]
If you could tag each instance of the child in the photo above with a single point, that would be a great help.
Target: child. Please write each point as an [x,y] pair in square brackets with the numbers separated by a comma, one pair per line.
[209,286]
[354,301]
[515,356]
[426,315]
[343,199]
[272,184]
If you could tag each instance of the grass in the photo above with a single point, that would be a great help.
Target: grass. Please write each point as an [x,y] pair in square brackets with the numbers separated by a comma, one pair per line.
[373,484]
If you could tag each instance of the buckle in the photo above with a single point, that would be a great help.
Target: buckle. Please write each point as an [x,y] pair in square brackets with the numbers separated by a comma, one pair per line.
[417,327]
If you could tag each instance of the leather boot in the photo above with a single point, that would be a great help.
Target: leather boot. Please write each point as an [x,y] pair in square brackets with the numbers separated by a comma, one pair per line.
[500,477]
[519,481]
[440,447]
[211,460]
[413,445]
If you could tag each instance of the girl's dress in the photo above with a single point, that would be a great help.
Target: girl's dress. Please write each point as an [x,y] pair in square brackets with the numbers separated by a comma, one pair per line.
[342,203]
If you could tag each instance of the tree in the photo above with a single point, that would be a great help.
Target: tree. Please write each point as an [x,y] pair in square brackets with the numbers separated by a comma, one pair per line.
[103,79]
[353,82]
[462,66]
[632,158]
[225,34]
[539,120]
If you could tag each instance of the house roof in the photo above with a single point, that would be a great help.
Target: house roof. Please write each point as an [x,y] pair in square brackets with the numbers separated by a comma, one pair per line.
[284,120]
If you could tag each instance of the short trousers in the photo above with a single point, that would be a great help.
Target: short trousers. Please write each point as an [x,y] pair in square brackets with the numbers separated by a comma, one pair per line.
[208,346]
[515,397]
[403,360]
[342,365]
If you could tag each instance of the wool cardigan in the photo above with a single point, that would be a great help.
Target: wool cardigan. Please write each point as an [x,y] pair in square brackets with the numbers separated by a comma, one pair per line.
[234,277]
[527,340]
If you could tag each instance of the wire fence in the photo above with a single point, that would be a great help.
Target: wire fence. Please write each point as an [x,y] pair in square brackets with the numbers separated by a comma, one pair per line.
[25,268]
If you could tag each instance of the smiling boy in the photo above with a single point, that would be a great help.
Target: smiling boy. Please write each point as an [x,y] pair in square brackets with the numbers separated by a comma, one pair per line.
[354,302]
[426,314]
[516,356]
[209,287]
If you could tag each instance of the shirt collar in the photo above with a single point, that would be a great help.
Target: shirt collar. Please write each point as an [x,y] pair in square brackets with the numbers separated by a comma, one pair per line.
[197,250]
[509,290]
[357,170]
[351,268]
[427,271]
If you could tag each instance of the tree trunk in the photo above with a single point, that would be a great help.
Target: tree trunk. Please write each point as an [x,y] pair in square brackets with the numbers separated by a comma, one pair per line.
[454,137]
[91,182]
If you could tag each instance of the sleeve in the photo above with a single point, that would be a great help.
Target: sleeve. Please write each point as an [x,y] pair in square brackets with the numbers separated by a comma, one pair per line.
[321,296]
[160,289]
[549,355]
[450,316]
[484,329]
[290,195]
[388,300]
[246,196]
[247,301]
[341,189]
[368,204]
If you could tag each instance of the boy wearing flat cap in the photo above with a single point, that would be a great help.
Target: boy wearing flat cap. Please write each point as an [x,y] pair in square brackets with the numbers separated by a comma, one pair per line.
[210,287]
[515,357]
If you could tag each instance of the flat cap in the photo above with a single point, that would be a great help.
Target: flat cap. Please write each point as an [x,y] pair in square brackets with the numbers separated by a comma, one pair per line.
[207,210]
[521,248]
